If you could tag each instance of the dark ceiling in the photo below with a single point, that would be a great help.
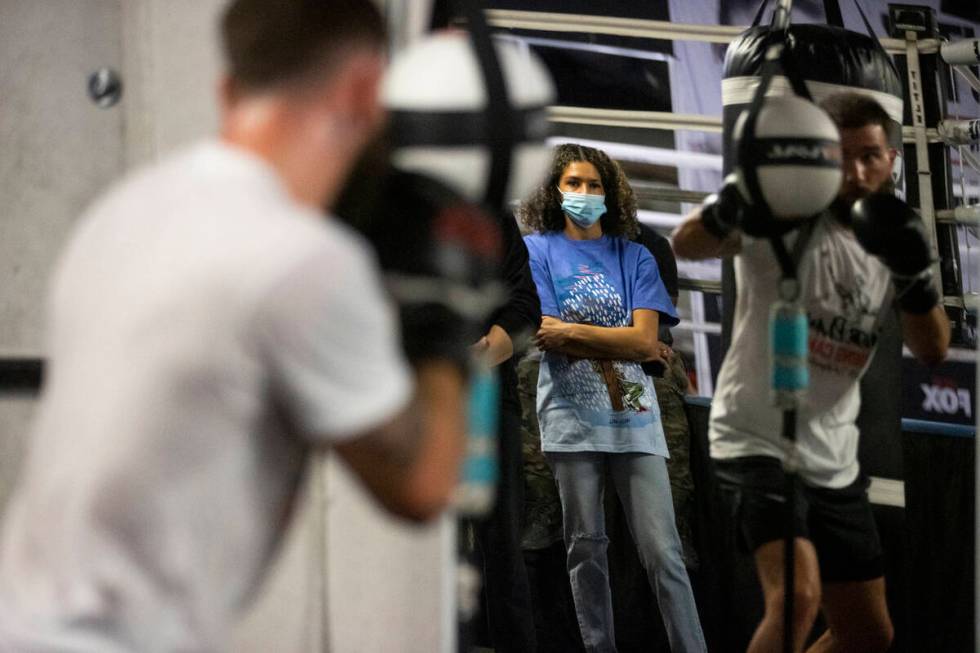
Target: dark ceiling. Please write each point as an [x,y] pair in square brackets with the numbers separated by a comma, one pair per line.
[968,9]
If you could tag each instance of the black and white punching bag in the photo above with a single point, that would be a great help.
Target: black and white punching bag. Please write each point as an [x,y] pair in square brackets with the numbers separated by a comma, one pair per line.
[830,59]
[441,112]
[788,163]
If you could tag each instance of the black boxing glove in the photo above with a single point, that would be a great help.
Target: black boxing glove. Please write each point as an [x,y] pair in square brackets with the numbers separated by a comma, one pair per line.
[440,256]
[728,209]
[890,229]
[723,212]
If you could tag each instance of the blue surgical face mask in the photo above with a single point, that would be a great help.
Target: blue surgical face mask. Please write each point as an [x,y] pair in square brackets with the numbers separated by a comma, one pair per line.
[584,209]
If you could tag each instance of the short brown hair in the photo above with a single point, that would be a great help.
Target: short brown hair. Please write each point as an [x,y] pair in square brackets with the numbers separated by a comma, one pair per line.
[854,110]
[542,211]
[272,42]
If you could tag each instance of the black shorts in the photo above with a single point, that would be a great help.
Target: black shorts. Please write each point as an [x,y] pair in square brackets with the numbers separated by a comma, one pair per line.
[838,522]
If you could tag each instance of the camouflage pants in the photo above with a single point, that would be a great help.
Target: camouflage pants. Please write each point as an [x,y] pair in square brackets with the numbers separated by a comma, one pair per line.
[670,396]
[542,507]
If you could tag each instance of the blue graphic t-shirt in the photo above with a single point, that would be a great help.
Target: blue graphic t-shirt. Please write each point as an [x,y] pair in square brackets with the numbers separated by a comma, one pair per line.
[597,405]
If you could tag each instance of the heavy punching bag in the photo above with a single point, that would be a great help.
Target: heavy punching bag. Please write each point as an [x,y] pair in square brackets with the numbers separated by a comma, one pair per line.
[830,59]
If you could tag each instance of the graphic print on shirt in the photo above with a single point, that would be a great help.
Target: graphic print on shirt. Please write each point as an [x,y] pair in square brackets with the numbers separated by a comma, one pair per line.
[588,297]
[843,335]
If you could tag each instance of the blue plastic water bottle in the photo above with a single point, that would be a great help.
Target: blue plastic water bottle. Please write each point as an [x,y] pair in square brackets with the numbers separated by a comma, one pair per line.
[789,332]
[478,478]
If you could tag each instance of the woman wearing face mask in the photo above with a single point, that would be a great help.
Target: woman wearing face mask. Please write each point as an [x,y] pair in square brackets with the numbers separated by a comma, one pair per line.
[602,301]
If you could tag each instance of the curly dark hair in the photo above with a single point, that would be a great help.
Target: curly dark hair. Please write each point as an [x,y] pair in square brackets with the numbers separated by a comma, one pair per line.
[542,211]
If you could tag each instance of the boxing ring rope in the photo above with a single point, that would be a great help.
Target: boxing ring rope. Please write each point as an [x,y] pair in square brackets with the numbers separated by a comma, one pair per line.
[965,215]
[671,121]
[963,133]
[667,120]
[948,132]
[956,54]
[970,159]
[961,53]
[634,119]
[959,132]
[970,78]
[648,192]
[541,21]
[700,285]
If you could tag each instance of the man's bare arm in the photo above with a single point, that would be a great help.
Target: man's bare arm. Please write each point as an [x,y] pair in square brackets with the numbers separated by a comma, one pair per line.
[411,463]
[692,241]
[495,347]
[927,335]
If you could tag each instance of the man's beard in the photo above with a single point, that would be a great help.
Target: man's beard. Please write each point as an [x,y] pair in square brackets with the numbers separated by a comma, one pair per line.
[840,208]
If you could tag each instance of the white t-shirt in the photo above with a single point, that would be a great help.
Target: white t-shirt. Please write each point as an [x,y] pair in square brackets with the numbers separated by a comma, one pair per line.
[843,291]
[205,330]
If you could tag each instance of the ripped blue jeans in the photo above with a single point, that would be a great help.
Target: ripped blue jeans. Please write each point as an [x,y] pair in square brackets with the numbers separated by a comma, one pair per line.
[643,487]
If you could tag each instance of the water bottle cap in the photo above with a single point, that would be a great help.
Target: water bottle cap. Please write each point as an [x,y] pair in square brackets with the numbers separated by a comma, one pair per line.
[789,290]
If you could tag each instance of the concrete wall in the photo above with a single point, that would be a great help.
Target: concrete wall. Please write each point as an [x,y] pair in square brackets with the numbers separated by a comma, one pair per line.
[15,416]
[172,63]
[387,585]
[57,149]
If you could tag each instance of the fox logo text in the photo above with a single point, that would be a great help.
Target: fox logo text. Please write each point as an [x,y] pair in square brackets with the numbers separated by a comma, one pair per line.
[946,400]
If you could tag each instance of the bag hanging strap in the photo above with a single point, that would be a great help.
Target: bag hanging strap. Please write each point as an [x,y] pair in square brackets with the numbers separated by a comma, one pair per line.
[874,37]
[500,132]
[831,10]
[758,14]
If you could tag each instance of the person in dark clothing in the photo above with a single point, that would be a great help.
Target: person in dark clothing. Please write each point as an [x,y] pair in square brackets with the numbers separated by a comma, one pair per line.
[671,382]
[663,254]
[633,601]
[507,594]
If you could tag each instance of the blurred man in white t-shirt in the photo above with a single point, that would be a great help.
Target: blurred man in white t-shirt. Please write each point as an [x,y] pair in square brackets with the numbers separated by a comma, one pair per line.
[206,329]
